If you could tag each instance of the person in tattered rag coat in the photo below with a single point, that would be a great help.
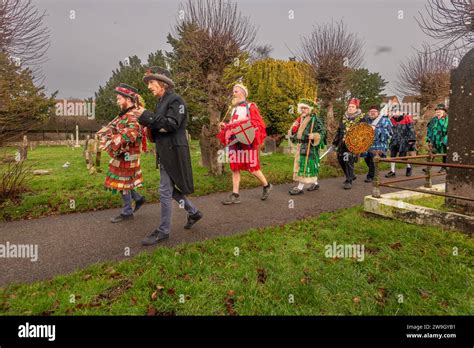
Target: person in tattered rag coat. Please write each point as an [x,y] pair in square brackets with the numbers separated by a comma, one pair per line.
[122,139]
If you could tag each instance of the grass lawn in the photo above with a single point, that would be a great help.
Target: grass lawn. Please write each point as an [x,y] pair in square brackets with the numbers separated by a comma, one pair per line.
[434,202]
[407,270]
[51,194]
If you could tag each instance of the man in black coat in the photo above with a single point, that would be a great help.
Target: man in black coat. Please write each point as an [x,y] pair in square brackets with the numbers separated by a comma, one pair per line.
[168,130]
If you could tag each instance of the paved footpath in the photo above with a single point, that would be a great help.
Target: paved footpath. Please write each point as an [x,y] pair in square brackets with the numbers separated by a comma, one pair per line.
[70,242]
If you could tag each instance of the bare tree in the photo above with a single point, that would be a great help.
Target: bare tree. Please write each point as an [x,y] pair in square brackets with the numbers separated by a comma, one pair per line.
[23,36]
[426,74]
[332,52]
[451,21]
[212,36]
[261,52]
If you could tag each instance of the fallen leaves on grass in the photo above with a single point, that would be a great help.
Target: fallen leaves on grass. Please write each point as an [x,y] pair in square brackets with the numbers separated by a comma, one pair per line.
[52,309]
[381,296]
[261,275]
[112,273]
[229,302]
[152,311]
[114,292]
[396,246]
[371,250]
[424,294]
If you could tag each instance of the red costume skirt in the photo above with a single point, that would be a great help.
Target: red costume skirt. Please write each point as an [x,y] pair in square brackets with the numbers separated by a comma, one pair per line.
[244,157]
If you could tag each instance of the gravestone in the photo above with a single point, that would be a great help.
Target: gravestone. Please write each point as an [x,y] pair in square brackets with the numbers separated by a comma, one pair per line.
[23,149]
[460,133]
[270,145]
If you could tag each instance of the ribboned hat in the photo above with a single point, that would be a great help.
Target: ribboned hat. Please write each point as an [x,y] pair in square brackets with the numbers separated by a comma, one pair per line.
[159,74]
[126,91]
[441,107]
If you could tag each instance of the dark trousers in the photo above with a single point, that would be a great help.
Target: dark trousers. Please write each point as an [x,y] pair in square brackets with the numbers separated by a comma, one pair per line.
[369,160]
[168,192]
[346,161]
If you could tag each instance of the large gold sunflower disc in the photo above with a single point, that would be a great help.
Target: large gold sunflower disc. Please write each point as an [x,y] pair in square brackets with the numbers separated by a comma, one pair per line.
[359,138]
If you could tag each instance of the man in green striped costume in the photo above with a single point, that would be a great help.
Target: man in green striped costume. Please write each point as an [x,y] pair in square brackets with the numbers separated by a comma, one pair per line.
[437,132]
[309,133]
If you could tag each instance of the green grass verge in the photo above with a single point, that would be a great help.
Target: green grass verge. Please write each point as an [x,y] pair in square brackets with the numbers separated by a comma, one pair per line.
[434,202]
[51,194]
[407,270]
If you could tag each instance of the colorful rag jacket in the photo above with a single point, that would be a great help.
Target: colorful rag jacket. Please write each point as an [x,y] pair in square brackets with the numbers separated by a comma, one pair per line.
[382,136]
[306,164]
[437,134]
[122,140]
[403,133]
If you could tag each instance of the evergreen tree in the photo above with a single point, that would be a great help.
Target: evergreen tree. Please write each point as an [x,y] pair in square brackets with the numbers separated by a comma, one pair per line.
[131,74]
[23,105]
[276,86]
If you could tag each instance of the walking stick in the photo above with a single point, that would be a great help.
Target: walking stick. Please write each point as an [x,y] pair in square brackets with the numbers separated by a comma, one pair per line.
[309,146]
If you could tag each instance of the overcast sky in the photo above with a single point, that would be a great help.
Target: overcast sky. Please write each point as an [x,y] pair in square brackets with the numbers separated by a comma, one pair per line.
[85,50]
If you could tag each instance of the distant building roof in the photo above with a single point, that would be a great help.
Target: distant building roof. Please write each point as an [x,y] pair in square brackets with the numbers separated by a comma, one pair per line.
[410,99]
[392,99]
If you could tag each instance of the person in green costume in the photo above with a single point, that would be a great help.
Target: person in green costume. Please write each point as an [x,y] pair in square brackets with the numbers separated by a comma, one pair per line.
[309,133]
[437,134]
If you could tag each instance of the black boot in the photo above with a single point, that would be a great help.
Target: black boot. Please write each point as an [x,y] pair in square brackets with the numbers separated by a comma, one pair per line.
[266,191]
[192,219]
[139,203]
[295,191]
[121,218]
[155,237]
[313,187]
[408,173]
[390,174]
[233,198]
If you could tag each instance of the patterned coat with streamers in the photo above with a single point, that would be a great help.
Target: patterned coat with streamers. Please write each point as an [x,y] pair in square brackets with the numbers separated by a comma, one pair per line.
[382,136]
[437,134]
[122,139]
[306,165]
